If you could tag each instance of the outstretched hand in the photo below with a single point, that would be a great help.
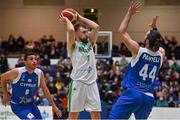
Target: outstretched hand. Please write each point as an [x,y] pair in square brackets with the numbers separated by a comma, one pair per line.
[153,22]
[134,7]
[57,112]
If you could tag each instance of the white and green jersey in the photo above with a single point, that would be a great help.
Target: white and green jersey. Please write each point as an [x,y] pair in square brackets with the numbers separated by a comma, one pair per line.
[83,62]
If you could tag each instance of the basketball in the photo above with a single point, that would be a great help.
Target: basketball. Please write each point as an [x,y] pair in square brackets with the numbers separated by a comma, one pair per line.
[70,14]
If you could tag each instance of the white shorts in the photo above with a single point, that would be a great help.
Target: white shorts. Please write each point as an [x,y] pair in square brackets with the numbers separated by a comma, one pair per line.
[83,97]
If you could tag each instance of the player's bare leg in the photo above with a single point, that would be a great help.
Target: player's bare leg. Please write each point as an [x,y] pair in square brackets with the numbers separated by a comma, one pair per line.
[95,115]
[73,115]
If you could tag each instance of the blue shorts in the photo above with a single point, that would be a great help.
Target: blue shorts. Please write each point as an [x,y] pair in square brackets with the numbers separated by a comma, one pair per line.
[132,101]
[27,111]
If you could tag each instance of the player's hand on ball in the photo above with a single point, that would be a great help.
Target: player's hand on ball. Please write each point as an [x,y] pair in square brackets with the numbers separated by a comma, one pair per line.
[63,19]
[76,14]
[5,100]
[57,112]
[69,13]
[72,10]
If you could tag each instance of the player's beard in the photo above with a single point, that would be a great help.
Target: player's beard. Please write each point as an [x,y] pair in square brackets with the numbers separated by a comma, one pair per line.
[84,40]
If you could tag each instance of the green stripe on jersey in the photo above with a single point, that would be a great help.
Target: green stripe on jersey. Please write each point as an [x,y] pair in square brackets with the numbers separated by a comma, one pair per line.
[69,96]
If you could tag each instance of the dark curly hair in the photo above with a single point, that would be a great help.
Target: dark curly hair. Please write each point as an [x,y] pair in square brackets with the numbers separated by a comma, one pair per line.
[155,40]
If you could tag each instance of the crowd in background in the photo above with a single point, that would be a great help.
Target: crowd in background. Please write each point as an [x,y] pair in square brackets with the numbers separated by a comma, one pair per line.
[110,73]
[48,45]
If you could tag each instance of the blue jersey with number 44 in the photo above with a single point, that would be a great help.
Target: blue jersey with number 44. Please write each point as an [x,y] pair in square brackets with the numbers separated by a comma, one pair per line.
[143,71]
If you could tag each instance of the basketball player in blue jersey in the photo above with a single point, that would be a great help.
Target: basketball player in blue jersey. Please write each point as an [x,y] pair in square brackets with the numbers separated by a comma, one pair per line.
[25,83]
[83,90]
[138,83]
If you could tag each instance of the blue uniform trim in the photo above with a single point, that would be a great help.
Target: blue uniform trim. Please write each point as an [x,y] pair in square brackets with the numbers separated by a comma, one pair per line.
[24,87]
[138,85]
[132,101]
[133,79]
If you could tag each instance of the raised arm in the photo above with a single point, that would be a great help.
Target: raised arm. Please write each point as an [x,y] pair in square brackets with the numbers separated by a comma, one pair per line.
[71,34]
[94,26]
[132,45]
[7,76]
[48,96]
[153,25]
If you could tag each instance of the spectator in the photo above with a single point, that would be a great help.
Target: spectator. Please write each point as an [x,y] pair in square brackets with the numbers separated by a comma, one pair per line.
[30,44]
[123,64]
[51,84]
[3,63]
[20,61]
[161,102]
[20,43]
[46,61]
[51,39]
[171,102]
[44,40]
[175,70]
[11,43]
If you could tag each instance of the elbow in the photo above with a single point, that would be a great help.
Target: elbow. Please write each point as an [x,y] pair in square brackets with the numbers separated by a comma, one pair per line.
[71,30]
[120,31]
[1,78]
[97,28]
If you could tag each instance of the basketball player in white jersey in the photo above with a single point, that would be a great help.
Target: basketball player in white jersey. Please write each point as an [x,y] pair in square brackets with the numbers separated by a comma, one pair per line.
[83,90]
